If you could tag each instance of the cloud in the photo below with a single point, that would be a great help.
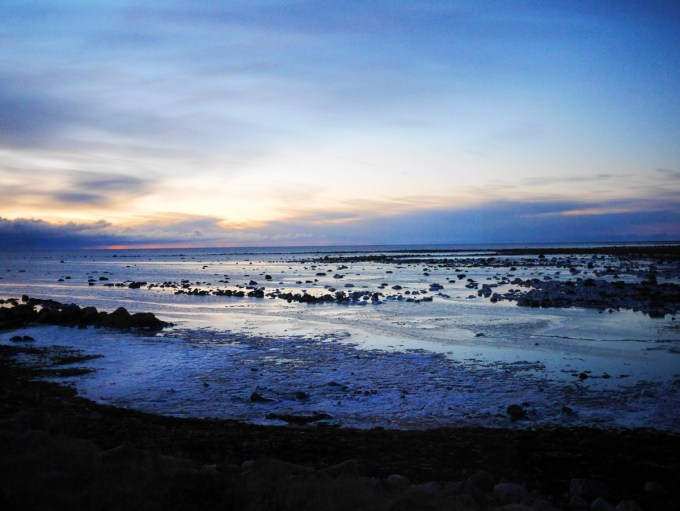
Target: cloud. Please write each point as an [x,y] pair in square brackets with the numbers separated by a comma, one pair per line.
[500,222]
[45,189]
[29,118]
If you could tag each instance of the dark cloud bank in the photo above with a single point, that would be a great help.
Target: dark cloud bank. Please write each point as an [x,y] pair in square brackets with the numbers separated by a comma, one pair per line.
[500,223]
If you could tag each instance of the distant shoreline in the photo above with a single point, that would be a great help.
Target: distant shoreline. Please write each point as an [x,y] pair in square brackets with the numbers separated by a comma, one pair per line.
[605,247]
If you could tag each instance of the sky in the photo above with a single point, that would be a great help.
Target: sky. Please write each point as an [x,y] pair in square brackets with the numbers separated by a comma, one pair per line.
[266,123]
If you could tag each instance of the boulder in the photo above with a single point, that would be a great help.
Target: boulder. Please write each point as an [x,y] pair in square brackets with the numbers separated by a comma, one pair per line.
[398,481]
[516,411]
[510,493]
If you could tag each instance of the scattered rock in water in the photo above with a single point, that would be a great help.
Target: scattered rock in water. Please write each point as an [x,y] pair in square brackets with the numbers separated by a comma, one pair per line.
[516,411]
[55,313]
[298,420]
[256,397]
[22,338]
[566,410]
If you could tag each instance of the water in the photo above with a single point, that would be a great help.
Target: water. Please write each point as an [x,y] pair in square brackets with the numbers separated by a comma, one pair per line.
[457,360]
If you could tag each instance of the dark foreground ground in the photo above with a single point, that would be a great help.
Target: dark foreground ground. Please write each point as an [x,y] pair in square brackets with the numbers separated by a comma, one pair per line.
[59,451]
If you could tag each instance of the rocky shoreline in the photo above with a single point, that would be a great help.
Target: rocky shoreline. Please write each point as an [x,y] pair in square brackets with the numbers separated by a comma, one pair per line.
[63,452]
[18,313]
[606,278]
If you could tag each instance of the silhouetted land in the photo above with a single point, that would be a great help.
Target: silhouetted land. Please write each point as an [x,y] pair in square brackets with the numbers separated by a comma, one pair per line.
[61,451]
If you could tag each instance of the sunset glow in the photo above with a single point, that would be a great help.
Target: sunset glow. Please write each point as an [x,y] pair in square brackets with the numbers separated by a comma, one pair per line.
[278,123]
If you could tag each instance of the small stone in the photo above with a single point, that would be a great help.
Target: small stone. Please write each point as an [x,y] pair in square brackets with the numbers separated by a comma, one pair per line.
[398,481]
[256,397]
[482,480]
[655,489]
[346,468]
[432,487]
[578,503]
[628,505]
[588,489]
[510,493]
[600,504]
[516,411]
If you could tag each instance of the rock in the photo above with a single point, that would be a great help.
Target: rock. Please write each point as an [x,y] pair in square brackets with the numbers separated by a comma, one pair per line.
[346,468]
[600,504]
[482,480]
[470,493]
[542,504]
[578,503]
[431,487]
[398,481]
[273,469]
[628,505]
[510,493]
[299,420]
[146,320]
[256,397]
[89,315]
[516,411]
[655,489]
[588,489]
[123,454]
[16,338]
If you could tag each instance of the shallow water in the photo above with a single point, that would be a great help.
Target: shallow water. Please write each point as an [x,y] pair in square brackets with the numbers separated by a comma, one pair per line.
[453,361]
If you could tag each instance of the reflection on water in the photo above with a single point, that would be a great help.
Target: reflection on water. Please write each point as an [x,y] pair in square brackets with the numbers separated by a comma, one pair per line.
[457,359]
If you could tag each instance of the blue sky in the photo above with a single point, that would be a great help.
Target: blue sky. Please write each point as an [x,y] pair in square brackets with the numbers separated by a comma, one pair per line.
[284,123]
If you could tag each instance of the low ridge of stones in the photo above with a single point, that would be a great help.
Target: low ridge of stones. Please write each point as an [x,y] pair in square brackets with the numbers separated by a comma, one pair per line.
[50,312]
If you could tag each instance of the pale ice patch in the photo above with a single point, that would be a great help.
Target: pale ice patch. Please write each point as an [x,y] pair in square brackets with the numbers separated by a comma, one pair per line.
[210,373]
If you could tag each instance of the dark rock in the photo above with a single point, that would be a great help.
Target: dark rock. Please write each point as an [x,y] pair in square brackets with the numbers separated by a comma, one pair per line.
[299,420]
[516,412]
[510,493]
[655,489]
[256,397]
[589,489]
[398,481]
[600,504]
[482,480]
[346,468]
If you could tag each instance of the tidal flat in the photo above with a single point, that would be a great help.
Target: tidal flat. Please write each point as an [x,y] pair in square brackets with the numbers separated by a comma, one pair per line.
[379,348]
